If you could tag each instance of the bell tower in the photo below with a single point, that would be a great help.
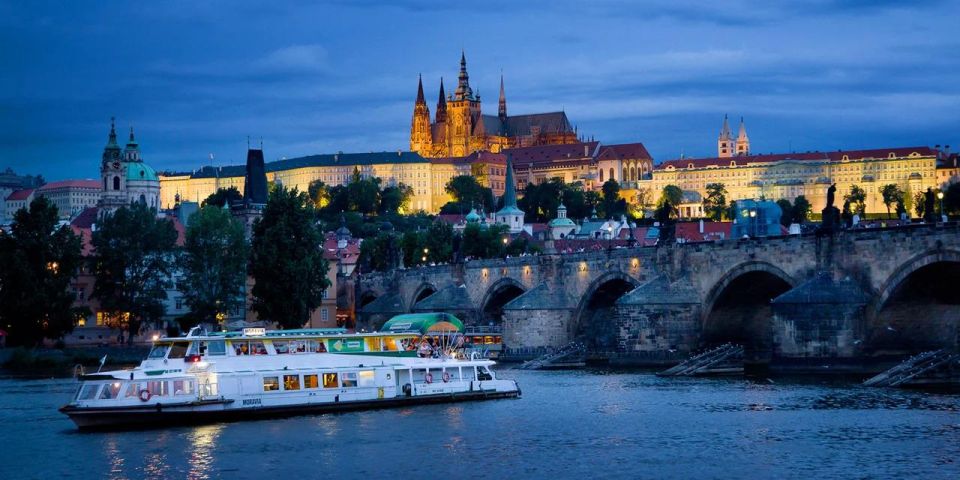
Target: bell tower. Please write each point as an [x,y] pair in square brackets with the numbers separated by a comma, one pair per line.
[725,140]
[461,114]
[743,142]
[420,139]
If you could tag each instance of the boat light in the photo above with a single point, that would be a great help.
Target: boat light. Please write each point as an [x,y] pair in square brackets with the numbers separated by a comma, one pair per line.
[156,337]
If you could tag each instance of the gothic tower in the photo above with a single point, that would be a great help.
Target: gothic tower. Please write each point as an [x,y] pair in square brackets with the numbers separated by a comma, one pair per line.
[725,141]
[420,138]
[502,111]
[442,105]
[743,142]
[462,111]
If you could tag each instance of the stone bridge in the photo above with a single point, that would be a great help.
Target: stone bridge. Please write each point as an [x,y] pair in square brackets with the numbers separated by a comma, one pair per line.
[801,298]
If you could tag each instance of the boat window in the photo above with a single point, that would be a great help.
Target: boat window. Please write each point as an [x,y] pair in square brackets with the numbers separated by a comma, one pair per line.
[182,387]
[389,344]
[249,348]
[257,348]
[291,382]
[319,347]
[484,374]
[216,347]
[281,347]
[158,388]
[194,349]
[159,351]
[178,350]
[330,380]
[133,389]
[110,391]
[349,379]
[366,378]
[88,392]
[271,384]
[310,381]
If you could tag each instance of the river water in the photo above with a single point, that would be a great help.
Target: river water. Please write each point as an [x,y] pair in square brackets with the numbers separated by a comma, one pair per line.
[583,424]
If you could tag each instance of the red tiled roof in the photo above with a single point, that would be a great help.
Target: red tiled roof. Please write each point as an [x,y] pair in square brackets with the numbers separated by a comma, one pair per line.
[20,194]
[348,255]
[623,151]
[180,228]
[486,157]
[86,218]
[85,183]
[690,231]
[836,156]
[540,154]
[451,218]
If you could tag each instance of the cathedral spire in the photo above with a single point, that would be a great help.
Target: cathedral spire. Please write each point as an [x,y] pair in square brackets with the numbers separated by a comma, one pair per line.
[743,142]
[420,99]
[463,91]
[442,105]
[725,140]
[502,113]
[725,130]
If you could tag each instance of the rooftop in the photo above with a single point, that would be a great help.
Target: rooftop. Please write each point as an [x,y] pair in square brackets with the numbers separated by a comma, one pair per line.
[837,156]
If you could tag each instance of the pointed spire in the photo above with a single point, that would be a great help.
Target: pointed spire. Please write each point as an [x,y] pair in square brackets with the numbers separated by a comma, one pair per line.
[463,91]
[420,99]
[132,140]
[502,113]
[743,130]
[442,104]
[112,139]
[725,130]
[510,189]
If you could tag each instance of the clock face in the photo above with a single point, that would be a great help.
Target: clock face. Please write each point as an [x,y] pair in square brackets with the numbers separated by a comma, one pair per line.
[116,164]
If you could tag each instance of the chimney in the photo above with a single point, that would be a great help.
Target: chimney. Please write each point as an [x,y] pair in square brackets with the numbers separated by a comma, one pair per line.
[701,226]
[586,150]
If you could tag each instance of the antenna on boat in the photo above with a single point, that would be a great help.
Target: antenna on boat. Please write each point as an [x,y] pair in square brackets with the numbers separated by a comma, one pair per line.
[102,361]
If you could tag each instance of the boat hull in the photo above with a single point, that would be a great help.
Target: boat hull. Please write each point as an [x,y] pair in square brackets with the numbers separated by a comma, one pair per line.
[212,412]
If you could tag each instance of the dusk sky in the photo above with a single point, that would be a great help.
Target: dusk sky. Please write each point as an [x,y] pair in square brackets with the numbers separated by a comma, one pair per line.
[197,78]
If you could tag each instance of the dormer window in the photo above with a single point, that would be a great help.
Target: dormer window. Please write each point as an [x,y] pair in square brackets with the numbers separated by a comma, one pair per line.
[892,155]
[689,165]
[733,163]
[846,158]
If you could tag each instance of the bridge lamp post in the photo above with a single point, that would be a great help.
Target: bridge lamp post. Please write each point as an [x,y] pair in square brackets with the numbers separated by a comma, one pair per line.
[753,222]
[505,241]
[940,197]
[425,252]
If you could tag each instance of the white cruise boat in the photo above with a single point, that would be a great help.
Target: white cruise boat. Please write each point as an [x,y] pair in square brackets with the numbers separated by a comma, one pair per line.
[417,358]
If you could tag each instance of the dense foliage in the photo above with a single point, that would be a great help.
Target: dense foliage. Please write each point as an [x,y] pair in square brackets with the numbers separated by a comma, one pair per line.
[38,259]
[286,260]
[223,197]
[133,265]
[214,265]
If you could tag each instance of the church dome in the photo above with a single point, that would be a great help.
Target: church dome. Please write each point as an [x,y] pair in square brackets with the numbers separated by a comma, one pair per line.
[473,216]
[138,171]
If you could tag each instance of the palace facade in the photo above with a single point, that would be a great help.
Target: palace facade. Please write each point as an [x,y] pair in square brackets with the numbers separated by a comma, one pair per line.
[460,127]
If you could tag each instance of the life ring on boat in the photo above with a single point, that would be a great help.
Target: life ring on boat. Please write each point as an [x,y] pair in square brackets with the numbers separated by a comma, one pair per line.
[428,377]
[144,395]
[446,377]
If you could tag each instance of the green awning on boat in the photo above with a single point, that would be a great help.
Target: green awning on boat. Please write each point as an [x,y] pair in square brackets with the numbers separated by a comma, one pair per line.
[423,323]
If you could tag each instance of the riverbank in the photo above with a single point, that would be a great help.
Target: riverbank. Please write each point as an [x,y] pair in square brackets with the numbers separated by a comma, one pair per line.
[62,362]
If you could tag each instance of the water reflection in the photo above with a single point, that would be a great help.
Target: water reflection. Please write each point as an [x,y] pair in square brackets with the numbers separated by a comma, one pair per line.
[114,457]
[203,441]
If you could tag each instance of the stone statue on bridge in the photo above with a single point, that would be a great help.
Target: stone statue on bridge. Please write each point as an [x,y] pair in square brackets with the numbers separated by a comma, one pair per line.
[830,214]
[929,208]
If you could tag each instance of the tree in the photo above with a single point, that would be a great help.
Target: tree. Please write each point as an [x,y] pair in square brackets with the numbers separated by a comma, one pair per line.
[671,194]
[892,195]
[133,266]
[857,198]
[612,205]
[286,260]
[485,242]
[214,264]
[715,205]
[918,204]
[38,260]
[364,193]
[319,192]
[223,197]
[801,209]
[439,242]
[951,199]
[468,192]
[395,199]
[786,209]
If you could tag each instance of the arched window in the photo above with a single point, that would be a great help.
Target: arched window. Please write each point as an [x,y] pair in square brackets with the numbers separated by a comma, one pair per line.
[143,199]
[116,183]
[611,174]
[601,175]
[104,183]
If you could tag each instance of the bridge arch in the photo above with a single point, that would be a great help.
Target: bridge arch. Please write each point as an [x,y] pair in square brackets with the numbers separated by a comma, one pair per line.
[366,298]
[499,294]
[593,319]
[421,293]
[917,307]
[737,308]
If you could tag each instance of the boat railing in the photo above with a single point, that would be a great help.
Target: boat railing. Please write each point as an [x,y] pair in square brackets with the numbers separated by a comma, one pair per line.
[208,391]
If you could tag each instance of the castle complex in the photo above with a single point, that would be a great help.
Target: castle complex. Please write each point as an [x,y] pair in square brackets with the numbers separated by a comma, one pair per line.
[460,127]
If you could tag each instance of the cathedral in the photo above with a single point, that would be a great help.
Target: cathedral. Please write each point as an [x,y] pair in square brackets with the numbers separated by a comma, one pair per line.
[460,127]
[126,179]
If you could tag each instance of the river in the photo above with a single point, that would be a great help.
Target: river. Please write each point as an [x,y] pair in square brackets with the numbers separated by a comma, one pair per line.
[582,424]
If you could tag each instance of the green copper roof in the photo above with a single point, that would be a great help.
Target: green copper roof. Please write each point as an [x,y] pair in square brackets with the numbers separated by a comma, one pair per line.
[562,222]
[510,194]
[141,171]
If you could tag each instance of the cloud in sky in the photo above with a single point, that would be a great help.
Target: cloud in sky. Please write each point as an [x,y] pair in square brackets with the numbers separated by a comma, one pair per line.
[196,78]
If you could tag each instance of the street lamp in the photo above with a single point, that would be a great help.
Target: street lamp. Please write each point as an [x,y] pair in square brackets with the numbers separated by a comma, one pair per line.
[753,222]
[940,196]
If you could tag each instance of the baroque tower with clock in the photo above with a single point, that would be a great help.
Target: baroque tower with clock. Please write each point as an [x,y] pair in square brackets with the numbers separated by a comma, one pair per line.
[125,178]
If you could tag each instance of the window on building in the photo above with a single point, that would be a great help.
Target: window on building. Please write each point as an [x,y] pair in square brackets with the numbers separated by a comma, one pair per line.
[116,183]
